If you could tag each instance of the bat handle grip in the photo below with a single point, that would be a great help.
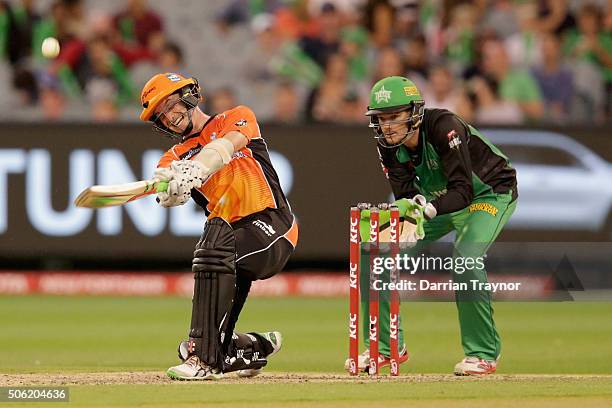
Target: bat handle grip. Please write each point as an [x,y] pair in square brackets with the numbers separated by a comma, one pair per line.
[161,186]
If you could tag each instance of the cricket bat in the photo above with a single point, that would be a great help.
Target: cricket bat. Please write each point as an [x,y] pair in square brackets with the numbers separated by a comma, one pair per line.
[118,194]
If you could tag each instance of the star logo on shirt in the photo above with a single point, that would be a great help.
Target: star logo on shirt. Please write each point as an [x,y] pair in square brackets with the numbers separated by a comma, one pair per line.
[382,95]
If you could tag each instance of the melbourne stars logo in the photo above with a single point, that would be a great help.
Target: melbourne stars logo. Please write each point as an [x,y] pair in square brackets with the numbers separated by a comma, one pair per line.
[382,95]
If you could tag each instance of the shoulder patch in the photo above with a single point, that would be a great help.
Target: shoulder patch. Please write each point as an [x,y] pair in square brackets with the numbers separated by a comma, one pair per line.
[241,122]
[453,139]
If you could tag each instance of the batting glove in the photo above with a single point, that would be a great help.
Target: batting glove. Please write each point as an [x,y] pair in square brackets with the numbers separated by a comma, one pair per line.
[182,176]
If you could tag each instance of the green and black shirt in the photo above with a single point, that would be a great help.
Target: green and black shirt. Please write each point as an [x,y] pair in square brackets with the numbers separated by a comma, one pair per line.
[452,165]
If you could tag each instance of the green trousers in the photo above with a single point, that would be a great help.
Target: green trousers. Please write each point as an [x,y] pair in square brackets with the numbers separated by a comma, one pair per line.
[476,227]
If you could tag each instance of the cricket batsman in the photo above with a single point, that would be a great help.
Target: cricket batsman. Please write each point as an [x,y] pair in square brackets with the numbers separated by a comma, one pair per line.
[446,176]
[221,161]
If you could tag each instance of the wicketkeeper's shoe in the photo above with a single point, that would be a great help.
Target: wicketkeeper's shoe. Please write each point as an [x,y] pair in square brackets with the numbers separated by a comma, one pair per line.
[194,369]
[276,340]
[472,365]
[363,360]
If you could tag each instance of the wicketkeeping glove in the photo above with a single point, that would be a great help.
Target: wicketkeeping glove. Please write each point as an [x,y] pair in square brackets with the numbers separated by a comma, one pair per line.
[415,212]
[182,176]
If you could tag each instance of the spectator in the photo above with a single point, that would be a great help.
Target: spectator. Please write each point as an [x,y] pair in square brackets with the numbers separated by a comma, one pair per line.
[222,99]
[591,44]
[524,46]
[56,24]
[5,28]
[514,84]
[388,63]
[101,95]
[295,21]
[353,46]
[266,48]
[84,61]
[554,16]
[443,93]
[333,100]
[26,86]
[293,63]
[379,17]
[501,17]
[287,104]
[344,6]
[320,48]
[16,29]
[295,41]
[406,18]
[555,80]
[489,108]
[169,59]
[459,36]
[416,61]
[242,11]
[137,23]
[76,25]
[52,101]
[477,67]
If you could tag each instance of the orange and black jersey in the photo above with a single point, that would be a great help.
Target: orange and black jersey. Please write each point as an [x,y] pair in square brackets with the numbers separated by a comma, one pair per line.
[248,183]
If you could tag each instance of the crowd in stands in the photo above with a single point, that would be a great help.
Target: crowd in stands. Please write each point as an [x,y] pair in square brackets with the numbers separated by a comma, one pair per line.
[293,61]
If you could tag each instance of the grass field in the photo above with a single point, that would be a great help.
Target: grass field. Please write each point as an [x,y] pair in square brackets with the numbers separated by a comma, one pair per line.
[65,339]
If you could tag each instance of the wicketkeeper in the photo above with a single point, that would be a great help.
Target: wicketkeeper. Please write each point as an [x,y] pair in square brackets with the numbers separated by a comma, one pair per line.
[222,162]
[446,176]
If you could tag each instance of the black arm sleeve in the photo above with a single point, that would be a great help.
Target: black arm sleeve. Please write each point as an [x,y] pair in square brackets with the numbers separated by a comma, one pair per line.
[400,175]
[450,138]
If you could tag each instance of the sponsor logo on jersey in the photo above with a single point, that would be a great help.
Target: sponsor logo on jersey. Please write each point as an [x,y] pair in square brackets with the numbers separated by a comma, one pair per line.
[173,77]
[241,122]
[486,207]
[191,152]
[266,228]
[239,155]
[213,135]
[382,95]
[453,139]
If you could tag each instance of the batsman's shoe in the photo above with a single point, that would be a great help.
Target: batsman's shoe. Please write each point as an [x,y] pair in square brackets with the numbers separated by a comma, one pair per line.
[475,366]
[276,340]
[363,360]
[193,369]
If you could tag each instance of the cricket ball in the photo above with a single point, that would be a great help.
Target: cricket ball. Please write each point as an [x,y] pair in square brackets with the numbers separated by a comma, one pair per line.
[50,47]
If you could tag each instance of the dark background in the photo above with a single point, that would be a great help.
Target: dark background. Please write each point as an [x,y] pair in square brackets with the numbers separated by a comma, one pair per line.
[333,167]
